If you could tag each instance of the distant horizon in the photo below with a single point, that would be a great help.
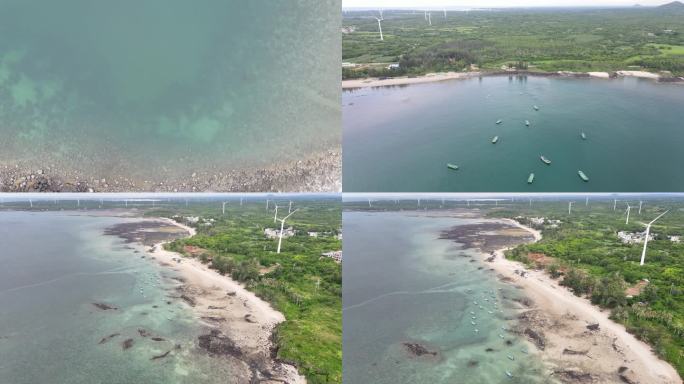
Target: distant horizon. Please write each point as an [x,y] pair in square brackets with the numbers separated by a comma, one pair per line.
[468,4]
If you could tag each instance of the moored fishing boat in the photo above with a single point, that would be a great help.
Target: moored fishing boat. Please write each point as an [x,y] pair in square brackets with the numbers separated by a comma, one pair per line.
[582,176]
[583,135]
[545,160]
[452,166]
[495,139]
[530,179]
[527,123]
[499,121]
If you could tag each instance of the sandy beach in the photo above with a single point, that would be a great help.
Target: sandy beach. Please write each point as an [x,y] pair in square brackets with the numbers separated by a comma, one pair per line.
[404,80]
[434,77]
[241,323]
[573,352]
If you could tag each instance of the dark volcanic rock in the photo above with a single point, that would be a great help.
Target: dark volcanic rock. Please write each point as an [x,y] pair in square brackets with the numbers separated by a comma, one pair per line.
[570,376]
[107,338]
[127,344]
[418,350]
[218,344]
[536,337]
[593,327]
[163,355]
[189,300]
[104,307]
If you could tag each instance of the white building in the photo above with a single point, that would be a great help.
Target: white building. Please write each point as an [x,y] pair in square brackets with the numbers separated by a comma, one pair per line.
[335,255]
[272,233]
[633,237]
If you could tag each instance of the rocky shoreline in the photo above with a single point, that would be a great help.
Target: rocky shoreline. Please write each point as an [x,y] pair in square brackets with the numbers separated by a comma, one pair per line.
[237,326]
[321,172]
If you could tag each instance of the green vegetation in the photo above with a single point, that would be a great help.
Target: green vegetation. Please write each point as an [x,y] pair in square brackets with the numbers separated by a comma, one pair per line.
[299,282]
[533,39]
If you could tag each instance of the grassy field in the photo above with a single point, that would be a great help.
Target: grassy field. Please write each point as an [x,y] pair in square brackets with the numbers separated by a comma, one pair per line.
[300,283]
[586,255]
[534,39]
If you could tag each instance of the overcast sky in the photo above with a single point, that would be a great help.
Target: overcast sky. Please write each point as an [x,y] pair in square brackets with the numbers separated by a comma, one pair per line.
[420,4]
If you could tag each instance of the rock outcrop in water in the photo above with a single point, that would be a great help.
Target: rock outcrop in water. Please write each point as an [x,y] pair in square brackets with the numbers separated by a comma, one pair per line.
[419,350]
[104,307]
[218,344]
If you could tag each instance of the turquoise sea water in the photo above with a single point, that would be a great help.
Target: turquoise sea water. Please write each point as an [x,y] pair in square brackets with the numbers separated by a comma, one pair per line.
[403,284]
[401,138]
[166,85]
[54,266]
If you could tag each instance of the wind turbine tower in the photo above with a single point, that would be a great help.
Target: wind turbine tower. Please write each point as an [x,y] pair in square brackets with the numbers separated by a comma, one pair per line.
[628,209]
[282,225]
[640,203]
[430,18]
[289,208]
[379,19]
[570,207]
[614,204]
[223,208]
[648,231]
[276,213]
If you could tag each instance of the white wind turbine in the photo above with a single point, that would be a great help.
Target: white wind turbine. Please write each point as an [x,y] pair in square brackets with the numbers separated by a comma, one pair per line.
[267,204]
[586,201]
[31,203]
[570,207]
[223,208]
[444,13]
[648,231]
[629,208]
[282,225]
[430,18]
[379,19]
[241,201]
[614,204]
[369,204]
[289,208]
[640,203]
[275,216]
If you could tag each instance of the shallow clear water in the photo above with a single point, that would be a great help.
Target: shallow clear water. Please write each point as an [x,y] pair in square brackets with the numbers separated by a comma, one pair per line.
[55,265]
[403,284]
[166,85]
[401,138]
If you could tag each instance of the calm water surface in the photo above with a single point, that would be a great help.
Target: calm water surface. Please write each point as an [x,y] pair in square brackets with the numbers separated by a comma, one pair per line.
[167,85]
[54,266]
[401,138]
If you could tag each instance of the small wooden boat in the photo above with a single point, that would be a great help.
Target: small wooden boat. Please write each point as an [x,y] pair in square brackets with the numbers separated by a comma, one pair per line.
[530,179]
[452,166]
[545,160]
[495,139]
[582,176]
